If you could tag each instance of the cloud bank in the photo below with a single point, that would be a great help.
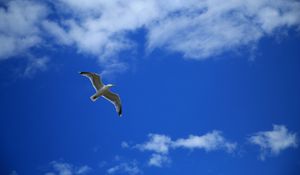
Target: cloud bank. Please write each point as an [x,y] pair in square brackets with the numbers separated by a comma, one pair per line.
[198,29]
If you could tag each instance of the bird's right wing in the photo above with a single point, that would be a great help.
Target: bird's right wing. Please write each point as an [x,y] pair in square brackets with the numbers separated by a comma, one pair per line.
[115,99]
[94,78]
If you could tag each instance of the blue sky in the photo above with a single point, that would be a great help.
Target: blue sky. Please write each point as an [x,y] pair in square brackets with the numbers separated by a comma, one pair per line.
[207,87]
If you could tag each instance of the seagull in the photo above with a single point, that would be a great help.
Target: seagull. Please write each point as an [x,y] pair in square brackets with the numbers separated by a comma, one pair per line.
[103,90]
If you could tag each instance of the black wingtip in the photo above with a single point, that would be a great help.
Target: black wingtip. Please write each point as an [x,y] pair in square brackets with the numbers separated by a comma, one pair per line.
[120,113]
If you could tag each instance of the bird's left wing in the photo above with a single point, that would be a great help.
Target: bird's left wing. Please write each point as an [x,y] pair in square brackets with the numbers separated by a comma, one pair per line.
[94,78]
[115,99]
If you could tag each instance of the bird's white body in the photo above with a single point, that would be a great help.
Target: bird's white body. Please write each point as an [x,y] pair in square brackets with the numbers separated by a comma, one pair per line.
[100,92]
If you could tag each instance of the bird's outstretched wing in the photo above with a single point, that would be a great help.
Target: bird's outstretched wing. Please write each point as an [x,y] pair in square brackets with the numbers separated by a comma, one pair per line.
[114,99]
[94,78]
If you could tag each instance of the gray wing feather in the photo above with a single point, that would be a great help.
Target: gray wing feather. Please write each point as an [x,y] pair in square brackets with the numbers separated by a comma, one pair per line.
[114,99]
[94,78]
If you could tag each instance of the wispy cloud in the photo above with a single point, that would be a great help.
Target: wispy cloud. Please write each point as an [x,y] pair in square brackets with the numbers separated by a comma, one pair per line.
[35,65]
[63,168]
[208,28]
[274,141]
[83,170]
[158,160]
[124,145]
[13,173]
[130,168]
[20,31]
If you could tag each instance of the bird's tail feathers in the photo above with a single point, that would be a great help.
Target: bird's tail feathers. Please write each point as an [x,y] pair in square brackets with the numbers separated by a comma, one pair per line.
[94,97]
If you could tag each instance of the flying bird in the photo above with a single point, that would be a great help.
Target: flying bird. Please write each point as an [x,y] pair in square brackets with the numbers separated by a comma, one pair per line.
[103,90]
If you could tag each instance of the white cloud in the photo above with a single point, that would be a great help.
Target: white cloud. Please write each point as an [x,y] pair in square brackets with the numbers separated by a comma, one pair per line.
[19,27]
[160,145]
[157,143]
[213,27]
[158,160]
[126,168]
[209,142]
[62,168]
[274,141]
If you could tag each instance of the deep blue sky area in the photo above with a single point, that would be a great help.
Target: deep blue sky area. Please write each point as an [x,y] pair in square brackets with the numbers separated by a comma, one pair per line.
[221,102]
